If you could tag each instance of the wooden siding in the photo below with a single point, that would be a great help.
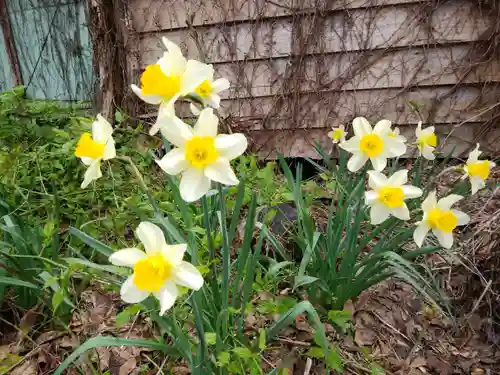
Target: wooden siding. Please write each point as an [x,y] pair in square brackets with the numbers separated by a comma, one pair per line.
[298,67]
[54,49]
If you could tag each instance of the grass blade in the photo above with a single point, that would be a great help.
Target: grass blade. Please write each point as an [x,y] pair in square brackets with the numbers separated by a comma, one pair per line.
[92,242]
[6,280]
[110,341]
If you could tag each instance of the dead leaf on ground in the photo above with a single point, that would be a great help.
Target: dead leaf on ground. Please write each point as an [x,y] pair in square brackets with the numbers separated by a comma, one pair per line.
[28,367]
[477,371]
[180,370]
[364,336]
[418,362]
[128,367]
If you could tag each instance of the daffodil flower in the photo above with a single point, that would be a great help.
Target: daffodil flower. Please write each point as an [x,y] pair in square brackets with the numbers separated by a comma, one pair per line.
[157,271]
[201,156]
[170,78]
[440,218]
[395,133]
[388,196]
[92,148]
[337,134]
[208,92]
[426,141]
[373,144]
[477,170]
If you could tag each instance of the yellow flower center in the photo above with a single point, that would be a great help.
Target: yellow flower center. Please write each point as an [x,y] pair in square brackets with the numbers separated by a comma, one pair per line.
[200,151]
[204,89]
[445,221]
[479,169]
[338,134]
[391,134]
[372,145]
[429,140]
[89,148]
[392,197]
[154,82]
[151,273]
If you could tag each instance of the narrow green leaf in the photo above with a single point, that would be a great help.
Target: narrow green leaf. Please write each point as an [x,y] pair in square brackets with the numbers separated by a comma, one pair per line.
[304,280]
[6,280]
[334,360]
[92,242]
[210,338]
[262,338]
[315,352]
[101,341]
[243,352]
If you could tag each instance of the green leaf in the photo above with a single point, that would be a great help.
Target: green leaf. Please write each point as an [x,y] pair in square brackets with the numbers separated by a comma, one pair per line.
[211,338]
[304,280]
[92,242]
[16,282]
[57,298]
[334,360]
[262,338]
[101,341]
[118,116]
[341,318]
[223,359]
[315,352]
[376,370]
[243,352]
[126,315]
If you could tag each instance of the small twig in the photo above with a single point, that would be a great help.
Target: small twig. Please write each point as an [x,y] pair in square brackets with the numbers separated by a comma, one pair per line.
[476,305]
[299,343]
[391,327]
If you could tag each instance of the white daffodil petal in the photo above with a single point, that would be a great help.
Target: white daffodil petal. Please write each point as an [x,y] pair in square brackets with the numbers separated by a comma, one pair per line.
[150,99]
[429,202]
[176,131]
[399,178]
[174,162]
[92,173]
[151,236]
[382,127]
[174,253]
[194,184]
[361,126]
[445,239]
[418,129]
[207,124]
[379,213]
[109,150]
[101,129]
[221,171]
[394,146]
[401,212]
[196,72]
[462,217]
[188,276]
[376,180]
[126,257]
[411,191]
[356,162]
[230,146]
[194,109]
[167,296]
[474,155]
[448,201]
[476,184]
[220,84]
[428,152]
[420,233]
[379,163]
[351,145]
[371,197]
[87,161]
[129,292]
[214,101]
[171,47]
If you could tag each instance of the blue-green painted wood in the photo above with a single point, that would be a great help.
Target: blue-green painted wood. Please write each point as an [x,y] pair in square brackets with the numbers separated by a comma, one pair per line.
[64,69]
[5,72]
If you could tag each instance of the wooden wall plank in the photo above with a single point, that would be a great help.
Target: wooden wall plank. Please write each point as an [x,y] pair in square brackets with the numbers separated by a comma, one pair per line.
[158,15]
[300,143]
[360,30]
[358,71]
